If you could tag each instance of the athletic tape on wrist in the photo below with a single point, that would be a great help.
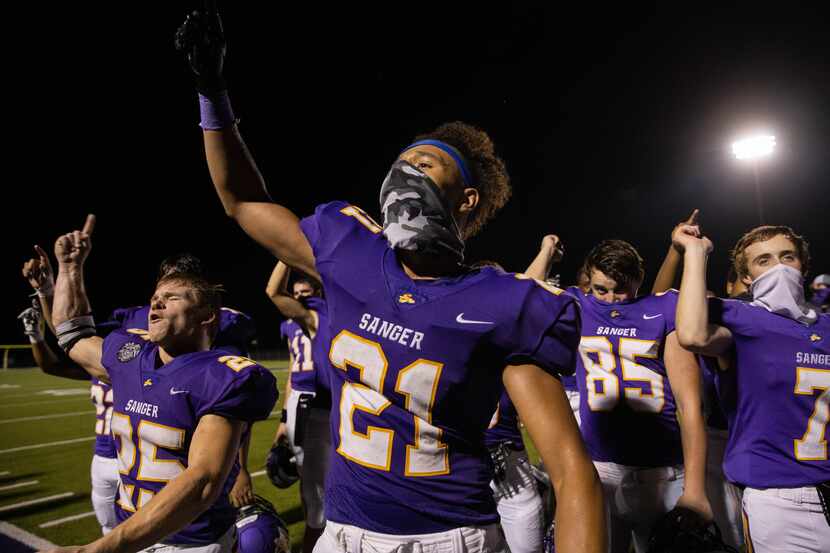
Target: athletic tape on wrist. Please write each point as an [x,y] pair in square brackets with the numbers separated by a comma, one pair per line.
[216,112]
[69,332]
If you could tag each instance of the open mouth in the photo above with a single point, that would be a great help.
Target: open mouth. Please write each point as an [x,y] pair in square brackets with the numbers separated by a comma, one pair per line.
[154,318]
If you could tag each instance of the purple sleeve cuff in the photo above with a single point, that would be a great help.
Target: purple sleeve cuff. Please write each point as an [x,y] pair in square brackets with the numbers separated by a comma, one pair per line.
[216,112]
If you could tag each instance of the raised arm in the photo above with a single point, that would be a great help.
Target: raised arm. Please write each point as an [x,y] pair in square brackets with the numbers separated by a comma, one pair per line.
[667,275]
[693,329]
[546,413]
[235,176]
[550,252]
[72,315]
[684,379]
[212,452]
[290,308]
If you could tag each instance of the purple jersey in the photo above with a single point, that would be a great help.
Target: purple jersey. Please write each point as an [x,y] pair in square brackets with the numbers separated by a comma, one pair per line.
[569,382]
[777,427]
[302,362]
[156,410]
[504,426]
[416,376]
[101,395]
[309,355]
[820,297]
[236,329]
[626,404]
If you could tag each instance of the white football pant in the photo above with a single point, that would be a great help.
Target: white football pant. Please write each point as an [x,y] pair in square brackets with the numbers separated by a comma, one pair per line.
[785,519]
[519,505]
[342,538]
[105,481]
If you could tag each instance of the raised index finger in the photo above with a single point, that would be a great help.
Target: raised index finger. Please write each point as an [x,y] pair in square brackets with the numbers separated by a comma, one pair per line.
[692,220]
[89,225]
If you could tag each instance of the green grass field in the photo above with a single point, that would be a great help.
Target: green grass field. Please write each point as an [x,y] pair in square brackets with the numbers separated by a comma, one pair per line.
[37,411]
[40,410]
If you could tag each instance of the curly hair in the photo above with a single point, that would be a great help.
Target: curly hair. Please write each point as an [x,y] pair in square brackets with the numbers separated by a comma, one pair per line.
[618,260]
[763,233]
[489,172]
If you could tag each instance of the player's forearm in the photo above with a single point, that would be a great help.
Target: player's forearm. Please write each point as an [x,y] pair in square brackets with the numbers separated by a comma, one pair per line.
[693,437]
[667,275]
[182,500]
[70,295]
[278,282]
[51,364]
[692,310]
[580,511]
[539,268]
[546,413]
[46,300]
[232,169]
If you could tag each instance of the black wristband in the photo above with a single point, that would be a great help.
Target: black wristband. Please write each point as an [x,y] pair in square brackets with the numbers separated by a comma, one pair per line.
[284,416]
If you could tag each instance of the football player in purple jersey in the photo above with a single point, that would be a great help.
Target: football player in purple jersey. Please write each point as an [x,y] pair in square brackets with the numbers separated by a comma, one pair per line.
[104,467]
[777,449]
[179,411]
[718,388]
[420,346]
[307,404]
[236,330]
[820,289]
[639,395]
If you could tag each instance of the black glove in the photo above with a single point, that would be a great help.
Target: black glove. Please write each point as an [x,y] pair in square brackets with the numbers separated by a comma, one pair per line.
[682,530]
[202,40]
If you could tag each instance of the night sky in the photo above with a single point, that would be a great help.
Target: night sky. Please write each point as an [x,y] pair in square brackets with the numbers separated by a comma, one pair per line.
[613,123]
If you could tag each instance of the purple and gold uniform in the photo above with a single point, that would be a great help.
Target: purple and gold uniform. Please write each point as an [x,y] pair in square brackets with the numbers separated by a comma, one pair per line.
[416,376]
[101,395]
[309,355]
[236,329]
[777,427]
[302,364]
[157,408]
[504,427]
[626,404]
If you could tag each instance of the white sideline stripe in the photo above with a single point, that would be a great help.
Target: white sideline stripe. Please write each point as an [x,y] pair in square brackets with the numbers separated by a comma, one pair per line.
[50,444]
[12,507]
[19,485]
[4,473]
[65,519]
[257,473]
[41,417]
[35,542]
[52,402]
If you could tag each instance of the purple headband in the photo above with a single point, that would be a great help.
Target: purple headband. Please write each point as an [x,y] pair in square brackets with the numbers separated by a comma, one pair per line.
[452,152]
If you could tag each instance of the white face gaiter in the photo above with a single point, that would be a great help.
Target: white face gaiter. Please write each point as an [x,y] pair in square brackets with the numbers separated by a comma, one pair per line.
[781,290]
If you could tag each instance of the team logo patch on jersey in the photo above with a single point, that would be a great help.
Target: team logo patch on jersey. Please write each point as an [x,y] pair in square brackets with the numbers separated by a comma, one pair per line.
[128,351]
[148,383]
[815,338]
[615,314]
[406,298]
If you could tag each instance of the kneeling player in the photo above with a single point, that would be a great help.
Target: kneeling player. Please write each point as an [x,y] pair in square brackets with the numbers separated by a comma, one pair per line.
[179,409]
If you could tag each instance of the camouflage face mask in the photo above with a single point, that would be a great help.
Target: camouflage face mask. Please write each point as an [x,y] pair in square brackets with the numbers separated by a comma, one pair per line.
[415,216]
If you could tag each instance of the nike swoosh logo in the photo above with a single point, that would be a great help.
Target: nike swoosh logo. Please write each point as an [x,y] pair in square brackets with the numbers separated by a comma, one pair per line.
[647,317]
[174,391]
[460,319]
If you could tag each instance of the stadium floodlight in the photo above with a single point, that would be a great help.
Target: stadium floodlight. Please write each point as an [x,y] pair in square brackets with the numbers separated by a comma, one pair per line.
[754,147]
